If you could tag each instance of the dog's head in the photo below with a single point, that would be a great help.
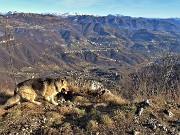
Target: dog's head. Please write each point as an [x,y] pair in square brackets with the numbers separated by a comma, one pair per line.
[62,85]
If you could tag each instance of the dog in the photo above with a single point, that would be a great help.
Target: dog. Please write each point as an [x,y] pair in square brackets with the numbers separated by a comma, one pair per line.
[33,89]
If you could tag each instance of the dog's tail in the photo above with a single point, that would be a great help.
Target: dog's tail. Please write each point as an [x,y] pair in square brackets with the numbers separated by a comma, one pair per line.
[13,100]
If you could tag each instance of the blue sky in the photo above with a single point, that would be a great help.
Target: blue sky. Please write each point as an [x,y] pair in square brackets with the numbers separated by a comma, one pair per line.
[134,8]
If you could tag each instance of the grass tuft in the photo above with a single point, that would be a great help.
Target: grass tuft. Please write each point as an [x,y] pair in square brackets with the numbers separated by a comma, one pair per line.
[106,120]
[109,97]
[92,125]
[80,99]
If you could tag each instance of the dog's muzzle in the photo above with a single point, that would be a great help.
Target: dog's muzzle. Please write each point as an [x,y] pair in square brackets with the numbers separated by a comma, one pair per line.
[64,91]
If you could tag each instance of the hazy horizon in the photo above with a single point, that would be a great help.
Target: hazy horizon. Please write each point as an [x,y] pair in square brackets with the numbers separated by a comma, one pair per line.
[133,8]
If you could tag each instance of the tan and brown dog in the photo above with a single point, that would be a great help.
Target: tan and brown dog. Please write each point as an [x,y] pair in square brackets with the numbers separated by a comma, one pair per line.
[33,89]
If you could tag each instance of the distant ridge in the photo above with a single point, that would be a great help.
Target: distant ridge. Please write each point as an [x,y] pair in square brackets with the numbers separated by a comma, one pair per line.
[65,15]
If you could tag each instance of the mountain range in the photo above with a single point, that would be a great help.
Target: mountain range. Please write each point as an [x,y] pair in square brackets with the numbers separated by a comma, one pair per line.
[40,43]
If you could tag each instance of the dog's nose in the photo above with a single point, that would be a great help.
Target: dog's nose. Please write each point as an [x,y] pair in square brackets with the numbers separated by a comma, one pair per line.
[65,91]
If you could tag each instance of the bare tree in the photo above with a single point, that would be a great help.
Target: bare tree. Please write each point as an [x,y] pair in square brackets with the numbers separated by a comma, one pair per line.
[162,77]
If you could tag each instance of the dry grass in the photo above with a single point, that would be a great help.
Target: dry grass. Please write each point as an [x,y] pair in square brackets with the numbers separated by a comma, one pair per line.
[53,118]
[66,128]
[176,113]
[105,97]
[85,88]
[13,113]
[53,115]
[158,101]
[119,114]
[125,113]
[73,87]
[63,109]
[80,99]
[92,125]
[88,113]
[109,97]
[66,125]
[78,112]
[106,120]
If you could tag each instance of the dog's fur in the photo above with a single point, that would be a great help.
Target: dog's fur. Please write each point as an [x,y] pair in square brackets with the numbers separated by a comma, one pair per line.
[32,89]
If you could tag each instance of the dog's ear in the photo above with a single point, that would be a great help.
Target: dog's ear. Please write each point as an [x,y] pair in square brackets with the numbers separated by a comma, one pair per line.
[66,79]
[62,81]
